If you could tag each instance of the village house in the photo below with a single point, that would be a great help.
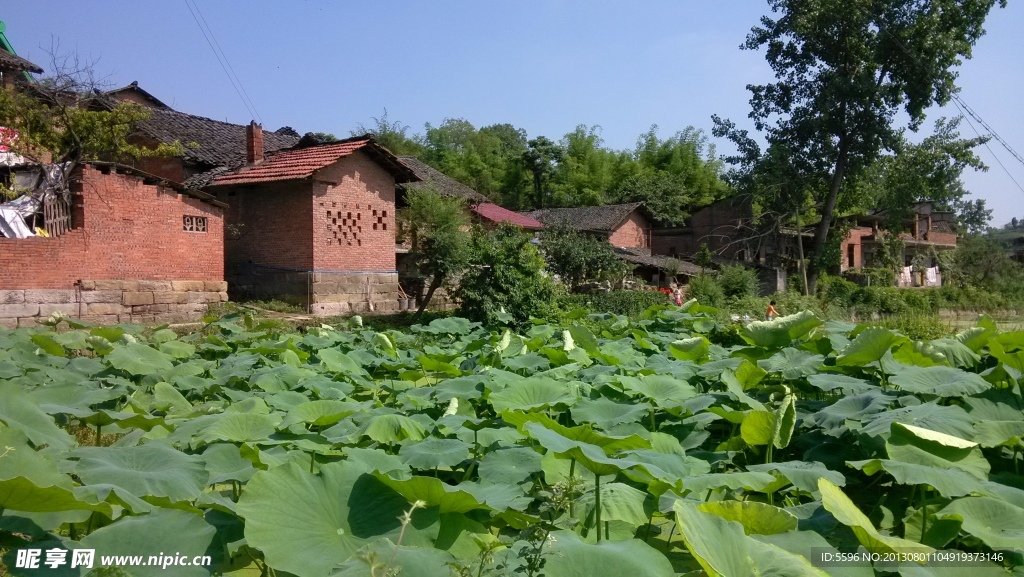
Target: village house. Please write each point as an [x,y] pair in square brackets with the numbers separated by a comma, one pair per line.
[313,224]
[118,245]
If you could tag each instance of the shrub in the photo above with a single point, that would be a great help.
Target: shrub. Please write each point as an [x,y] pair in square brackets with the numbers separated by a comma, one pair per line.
[625,302]
[707,292]
[506,273]
[737,281]
[836,293]
[578,257]
[917,325]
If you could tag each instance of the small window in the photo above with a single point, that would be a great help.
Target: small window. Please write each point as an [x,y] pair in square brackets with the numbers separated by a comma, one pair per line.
[194,223]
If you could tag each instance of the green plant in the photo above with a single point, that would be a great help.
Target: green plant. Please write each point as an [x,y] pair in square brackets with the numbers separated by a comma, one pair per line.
[506,277]
[625,302]
[738,281]
[707,292]
[579,257]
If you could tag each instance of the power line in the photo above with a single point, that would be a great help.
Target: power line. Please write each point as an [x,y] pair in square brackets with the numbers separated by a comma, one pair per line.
[248,104]
[231,68]
[957,102]
[963,106]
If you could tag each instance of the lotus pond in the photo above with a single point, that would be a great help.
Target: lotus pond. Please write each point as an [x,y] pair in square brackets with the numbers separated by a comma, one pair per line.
[665,446]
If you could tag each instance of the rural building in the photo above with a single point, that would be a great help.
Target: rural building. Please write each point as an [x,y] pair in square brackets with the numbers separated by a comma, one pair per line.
[622,225]
[126,247]
[313,224]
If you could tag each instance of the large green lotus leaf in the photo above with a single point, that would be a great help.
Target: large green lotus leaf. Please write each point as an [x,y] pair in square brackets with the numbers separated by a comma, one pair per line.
[531,363]
[670,468]
[957,353]
[606,413]
[1009,349]
[510,466]
[952,420]
[749,480]
[320,413]
[177,349]
[405,561]
[948,482]
[997,523]
[855,407]
[377,460]
[138,359]
[804,475]
[434,365]
[166,398]
[996,433]
[592,457]
[498,497]
[792,363]
[18,493]
[692,349]
[19,459]
[584,338]
[224,462]
[309,524]
[919,354]
[662,390]
[73,399]
[977,337]
[336,361]
[771,560]
[940,381]
[152,470]
[434,493]
[164,531]
[719,545]
[910,444]
[20,411]
[735,386]
[535,393]
[756,428]
[780,332]
[921,525]
[808,545]
[846,384]
[585,433]
[571,557]
[619,502]
[466,387]
[785,422]
[450,326]
[870,345]
[756,518]
[843,509]
[238,428]
[392,429]
[431,453]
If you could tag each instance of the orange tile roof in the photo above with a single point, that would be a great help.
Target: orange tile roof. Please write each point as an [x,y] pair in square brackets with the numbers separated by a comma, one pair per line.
[495,213]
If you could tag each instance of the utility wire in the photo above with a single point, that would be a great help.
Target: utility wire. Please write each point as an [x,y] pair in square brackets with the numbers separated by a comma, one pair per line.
[957,102]
[247,104]
[231,68]
[963,106]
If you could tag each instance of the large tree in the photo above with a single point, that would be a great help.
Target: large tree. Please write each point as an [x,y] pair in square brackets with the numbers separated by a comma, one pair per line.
[844,69]
[439,229]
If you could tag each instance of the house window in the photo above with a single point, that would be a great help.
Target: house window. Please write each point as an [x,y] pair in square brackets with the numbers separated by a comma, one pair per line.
[194,223]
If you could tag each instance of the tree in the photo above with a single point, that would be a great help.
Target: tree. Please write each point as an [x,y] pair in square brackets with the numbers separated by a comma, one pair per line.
[506,277]
[393,136]
[843,69]
[441,241]
[973,217]
[64,120]
[1013,223]
[540,159]
[578,257]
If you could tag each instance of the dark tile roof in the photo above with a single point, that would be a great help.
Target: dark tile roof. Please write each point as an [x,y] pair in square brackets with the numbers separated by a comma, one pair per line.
[300,163]
[497,214]
[430,177]
[219,143]
[591,218]
[643,256]
[14,62]
[134,87]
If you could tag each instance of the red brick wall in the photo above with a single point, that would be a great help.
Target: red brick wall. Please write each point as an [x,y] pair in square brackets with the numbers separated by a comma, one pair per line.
[633,233]
[354,219]
[948,238]
[125,229]
[170,167]
[854,239]
[268,224]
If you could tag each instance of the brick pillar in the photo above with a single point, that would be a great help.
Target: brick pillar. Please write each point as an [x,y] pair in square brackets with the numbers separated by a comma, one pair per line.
[254,143]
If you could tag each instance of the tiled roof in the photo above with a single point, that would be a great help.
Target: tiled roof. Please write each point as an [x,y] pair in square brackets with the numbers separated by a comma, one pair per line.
[218,143]
[134,87]
[592,218]
[643,256]
[301,163]
[15,62]
[431,178]
[495,213]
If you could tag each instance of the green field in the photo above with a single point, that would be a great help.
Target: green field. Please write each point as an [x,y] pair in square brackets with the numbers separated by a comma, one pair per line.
[668,445]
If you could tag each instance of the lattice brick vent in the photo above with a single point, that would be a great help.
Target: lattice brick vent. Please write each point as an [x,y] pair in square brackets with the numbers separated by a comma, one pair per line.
[346,225]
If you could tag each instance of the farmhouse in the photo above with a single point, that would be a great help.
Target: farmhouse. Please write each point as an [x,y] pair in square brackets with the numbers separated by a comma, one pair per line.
[623,225]
[313,224]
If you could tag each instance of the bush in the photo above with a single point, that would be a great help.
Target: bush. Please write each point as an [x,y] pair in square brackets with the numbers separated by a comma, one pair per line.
[918,326]
[836,293]
[625,302]
[883,300]
[737,281]
[707,292]
[507,273]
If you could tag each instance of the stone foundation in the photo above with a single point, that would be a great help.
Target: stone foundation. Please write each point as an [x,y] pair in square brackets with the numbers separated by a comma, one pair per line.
[323,294]
[113,301]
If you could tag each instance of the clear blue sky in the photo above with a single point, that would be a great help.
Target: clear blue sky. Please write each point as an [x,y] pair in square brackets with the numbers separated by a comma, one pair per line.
[545,66]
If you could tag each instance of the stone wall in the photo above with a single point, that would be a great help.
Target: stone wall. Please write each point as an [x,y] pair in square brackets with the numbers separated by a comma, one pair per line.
[334,294]
[113,301]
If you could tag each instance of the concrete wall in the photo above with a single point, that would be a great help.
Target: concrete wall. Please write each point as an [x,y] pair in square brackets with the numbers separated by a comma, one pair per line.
[113,301]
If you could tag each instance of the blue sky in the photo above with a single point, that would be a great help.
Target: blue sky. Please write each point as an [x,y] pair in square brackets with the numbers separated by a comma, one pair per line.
[543,66]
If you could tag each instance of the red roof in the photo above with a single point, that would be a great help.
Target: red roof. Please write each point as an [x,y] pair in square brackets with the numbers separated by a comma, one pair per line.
[495,213]
[303,162]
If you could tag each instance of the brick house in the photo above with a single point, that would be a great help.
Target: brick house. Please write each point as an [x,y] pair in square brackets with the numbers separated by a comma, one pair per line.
[622,225]
[314,224]
[134,248]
